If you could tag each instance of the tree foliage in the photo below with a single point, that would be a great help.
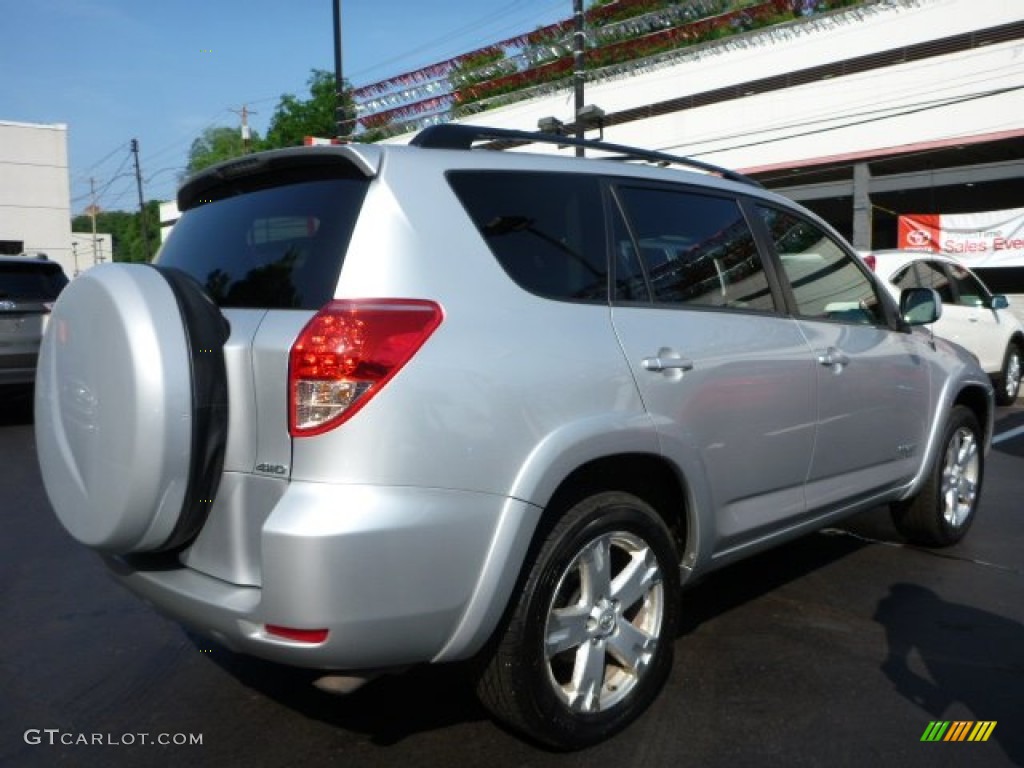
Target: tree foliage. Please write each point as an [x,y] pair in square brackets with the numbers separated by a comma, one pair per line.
[296,118]
[217,143]
[125,231]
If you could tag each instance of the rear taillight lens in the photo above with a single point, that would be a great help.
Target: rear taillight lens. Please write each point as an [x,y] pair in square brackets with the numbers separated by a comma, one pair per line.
[347,353]
[311,636]
[870,260]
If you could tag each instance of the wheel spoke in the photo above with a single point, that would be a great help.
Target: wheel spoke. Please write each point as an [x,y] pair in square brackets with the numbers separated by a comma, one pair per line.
[584,691]
[631,646]
[968,452]
[567,628]
[636,579]
[595,570]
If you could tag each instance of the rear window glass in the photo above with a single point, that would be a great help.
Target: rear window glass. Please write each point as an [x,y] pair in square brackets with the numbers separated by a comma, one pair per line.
[545,229]
[276,248]
[31,281]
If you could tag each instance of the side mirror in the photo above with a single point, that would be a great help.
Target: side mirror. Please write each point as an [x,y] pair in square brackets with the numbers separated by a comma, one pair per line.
[920,306]
[999,302]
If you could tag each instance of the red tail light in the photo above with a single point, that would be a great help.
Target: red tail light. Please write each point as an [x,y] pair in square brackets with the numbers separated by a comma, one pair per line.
[311,636]
[347,353]
[869,259]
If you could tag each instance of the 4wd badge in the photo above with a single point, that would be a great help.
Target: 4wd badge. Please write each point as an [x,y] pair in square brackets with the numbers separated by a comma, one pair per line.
[277,470]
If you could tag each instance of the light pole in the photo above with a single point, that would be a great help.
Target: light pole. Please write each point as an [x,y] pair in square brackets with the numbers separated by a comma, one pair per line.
[339,80]
[578,45]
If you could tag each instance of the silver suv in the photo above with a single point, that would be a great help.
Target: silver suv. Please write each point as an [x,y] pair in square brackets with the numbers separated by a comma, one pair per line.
[377,406]
[28,288]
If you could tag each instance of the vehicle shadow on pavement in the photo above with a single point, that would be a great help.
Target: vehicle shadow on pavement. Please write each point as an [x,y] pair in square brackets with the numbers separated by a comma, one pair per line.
[750,579]
[933,661]
[387,710]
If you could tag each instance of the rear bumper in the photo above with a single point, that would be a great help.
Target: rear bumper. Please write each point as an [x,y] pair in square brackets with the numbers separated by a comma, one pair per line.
[396,575]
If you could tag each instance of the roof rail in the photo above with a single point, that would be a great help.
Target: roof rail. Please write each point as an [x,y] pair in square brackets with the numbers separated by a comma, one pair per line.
[457,136]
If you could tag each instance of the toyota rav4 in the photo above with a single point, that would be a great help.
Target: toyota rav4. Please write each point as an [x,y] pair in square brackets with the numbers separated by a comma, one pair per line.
[376,406]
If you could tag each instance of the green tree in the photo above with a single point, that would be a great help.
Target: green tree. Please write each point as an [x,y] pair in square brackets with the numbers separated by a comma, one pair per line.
[217,143]
[125,231]
[296,118]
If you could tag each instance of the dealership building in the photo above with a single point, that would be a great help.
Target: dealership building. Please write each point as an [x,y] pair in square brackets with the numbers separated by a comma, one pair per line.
[865,112]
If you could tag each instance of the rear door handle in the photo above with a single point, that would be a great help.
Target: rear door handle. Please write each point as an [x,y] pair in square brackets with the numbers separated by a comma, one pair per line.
[834,359]
[667,363]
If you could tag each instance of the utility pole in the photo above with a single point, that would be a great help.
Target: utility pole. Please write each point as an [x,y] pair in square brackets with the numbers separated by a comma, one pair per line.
[142,202]
[93,210]
[578,75]
[246,132]
[339,80]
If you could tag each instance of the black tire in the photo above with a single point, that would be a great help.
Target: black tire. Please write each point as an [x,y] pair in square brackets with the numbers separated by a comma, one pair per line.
[941,513]
[206,331]
[1008,383]
[531,690]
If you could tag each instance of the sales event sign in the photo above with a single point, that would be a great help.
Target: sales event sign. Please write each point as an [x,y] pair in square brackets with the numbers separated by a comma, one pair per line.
[987,239]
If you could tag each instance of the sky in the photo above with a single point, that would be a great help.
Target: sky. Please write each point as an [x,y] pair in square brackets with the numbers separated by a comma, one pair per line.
[161,72]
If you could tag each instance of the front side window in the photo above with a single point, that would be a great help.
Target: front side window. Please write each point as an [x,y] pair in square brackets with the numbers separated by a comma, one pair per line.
[545,229]
[696,249]
[826,281]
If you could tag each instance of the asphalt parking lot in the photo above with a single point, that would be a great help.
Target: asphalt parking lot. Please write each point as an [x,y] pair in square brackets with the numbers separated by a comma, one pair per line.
[838,649]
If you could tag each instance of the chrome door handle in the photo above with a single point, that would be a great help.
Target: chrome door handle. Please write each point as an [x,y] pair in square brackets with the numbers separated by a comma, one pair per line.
[667,363]
[834,359]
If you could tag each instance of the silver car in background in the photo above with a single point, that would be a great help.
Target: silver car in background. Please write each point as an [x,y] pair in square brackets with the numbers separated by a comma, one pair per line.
[28,288]
[377,406]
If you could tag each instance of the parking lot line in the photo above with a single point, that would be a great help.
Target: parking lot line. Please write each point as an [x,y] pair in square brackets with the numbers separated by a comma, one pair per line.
[1007,435]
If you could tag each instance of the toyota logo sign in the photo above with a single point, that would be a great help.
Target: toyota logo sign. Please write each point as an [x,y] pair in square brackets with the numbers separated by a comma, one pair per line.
[919,238]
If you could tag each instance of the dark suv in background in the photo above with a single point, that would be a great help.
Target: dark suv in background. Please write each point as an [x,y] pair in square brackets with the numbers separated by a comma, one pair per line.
[28,287]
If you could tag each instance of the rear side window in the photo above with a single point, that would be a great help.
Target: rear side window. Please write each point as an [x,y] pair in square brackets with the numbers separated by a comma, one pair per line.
[697,249]
[278,247]
[31,281]
[546,230]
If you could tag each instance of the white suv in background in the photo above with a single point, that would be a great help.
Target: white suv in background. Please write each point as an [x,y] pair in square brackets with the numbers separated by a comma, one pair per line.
[972,316]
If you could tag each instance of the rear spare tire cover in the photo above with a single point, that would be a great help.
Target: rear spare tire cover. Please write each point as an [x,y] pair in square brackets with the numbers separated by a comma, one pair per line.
[115,410]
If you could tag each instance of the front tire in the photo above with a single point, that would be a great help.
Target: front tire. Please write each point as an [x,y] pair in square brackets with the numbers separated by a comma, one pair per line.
[589,643]
[941,513]
[1008,385]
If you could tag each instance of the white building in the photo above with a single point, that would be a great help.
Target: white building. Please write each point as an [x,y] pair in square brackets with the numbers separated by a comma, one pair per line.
[863,114]
[35,192]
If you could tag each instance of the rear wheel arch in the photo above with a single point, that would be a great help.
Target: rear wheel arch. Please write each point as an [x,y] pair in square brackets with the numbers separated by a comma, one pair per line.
[646,476]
